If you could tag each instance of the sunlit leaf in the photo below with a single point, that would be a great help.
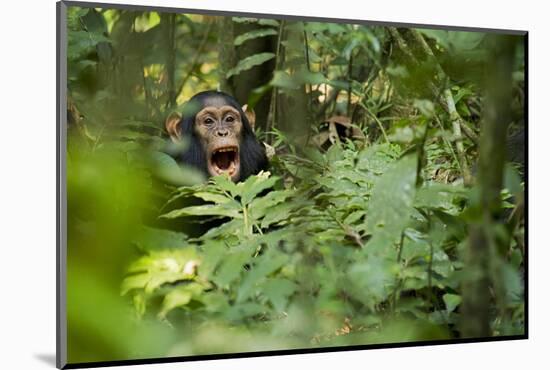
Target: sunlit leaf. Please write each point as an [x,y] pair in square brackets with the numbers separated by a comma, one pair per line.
[263,32]
[249,62]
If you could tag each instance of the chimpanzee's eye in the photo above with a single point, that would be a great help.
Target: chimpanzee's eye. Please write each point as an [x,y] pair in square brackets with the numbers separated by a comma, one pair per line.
[229,119]
[209,121]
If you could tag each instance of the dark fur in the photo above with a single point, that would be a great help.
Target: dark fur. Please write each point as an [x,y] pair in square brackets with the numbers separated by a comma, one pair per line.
[251,152]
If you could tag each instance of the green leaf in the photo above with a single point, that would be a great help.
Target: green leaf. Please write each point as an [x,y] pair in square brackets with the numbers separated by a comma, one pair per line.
[512,180]
[175,298]
[212,197]
[261,206]
[513,283]
[314,78]
[283,80]
[439,196]
[244,20]
[225,210]
[224,183]
[180,296]
[451,301]
[150,239]
[268,22]
[168,170]
[372,280]
[455,41]
[426,107]
[244,310]
[213,253]
[249,62]
[278,291]
[253,35]
[160,267]
[278,213]
[265,265]
[391,204]
[231,268]
[255,185]
[233,227]
[138,281]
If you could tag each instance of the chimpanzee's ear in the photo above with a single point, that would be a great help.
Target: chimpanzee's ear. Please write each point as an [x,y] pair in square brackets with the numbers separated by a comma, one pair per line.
[171,125]
[250,115]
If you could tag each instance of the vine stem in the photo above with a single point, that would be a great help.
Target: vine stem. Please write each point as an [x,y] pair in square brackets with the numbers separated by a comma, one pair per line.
[380,125]
[247,228]
[273,101]
[194,63]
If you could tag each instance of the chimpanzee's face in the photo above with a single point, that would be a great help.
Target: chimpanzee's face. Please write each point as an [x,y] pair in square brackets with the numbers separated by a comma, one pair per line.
[220,136]
[219,127]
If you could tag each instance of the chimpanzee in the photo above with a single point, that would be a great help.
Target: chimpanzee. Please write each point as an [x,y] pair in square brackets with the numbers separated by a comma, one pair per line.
[220,136]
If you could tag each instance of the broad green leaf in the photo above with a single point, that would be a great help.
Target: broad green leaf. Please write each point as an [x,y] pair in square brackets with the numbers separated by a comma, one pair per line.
[313,78]
[138,281]
[426,107]
[373,280]
[278,291]
[512,283]
[161,267]
[353,217]
[268,22]
[225,210]
[255,185]
[225,184]
[231,267]
[451,301]
[212,197]
[244,20]
[440,196]
[175,298]
[455,41]
[164,260]
[167,169]
[180,296]
[253,35]
[233,227]
[265,265]
[278,213]
[244,310]
[261,206]
[283,80]
[213,253]
[512,180]
[391,204]
[150,239]
[249,62]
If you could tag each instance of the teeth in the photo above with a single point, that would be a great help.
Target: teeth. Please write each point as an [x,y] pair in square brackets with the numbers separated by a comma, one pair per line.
[225,150]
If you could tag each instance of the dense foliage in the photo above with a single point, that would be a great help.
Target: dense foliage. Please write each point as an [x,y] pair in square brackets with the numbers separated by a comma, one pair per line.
[358,234]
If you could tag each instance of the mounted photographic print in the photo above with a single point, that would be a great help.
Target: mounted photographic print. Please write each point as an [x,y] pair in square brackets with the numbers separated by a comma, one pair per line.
[235,185]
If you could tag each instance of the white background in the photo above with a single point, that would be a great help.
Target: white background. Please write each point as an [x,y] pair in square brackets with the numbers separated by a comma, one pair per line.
[27,182]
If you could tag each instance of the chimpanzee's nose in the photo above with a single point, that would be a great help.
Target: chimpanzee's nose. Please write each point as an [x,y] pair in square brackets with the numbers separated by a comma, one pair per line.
[223,132]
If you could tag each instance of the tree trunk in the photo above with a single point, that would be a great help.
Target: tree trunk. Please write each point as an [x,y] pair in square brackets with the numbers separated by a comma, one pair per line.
[226,52]
[480,260]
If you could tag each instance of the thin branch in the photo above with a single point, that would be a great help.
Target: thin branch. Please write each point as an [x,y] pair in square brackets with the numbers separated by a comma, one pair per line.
[380,125]
[469,133]
[170,25]
[195,61]
[447,141]
[273,101]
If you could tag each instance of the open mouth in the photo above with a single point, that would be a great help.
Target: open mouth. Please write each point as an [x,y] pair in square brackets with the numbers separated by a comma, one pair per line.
[225,160]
